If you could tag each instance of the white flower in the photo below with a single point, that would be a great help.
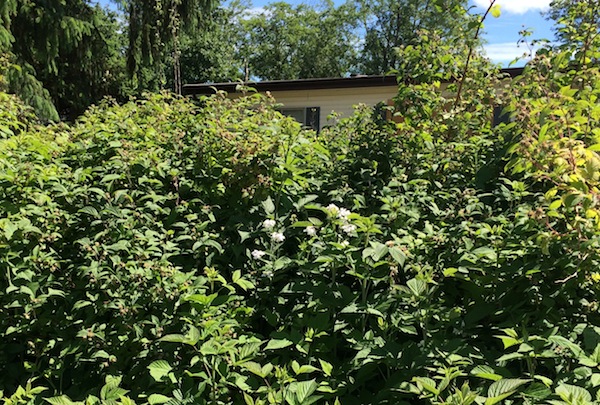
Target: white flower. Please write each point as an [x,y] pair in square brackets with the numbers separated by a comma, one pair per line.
[345,244]
[269,223]
[310,230]
[333,209]
[343,213]
[348,228]
[277,237]
[257,254]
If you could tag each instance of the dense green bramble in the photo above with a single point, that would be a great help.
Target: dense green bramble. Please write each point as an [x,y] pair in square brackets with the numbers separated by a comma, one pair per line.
[164,251]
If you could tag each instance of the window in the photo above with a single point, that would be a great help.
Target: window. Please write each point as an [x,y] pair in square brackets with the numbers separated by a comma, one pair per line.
[308,116]
[500,116]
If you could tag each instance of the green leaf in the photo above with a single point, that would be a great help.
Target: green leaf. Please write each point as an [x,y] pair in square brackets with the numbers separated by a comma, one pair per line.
[255,368]
[573,394]
[201,298]
[486,372]
[159,369]
[554,205]
[268,206]
[9,229]
[174,338]
[379,251]
[90,211]
[398,255]
[303,390]
[276,344]
[485,252]
[61,400]
[508,341]
[417,287]
[305,369]
[426,384]
[505,386]
[111,392]
[537,391]
[110,177]
[241,282]
[154,399]
[566,343]
[326,367]
[248,399]
[193,336]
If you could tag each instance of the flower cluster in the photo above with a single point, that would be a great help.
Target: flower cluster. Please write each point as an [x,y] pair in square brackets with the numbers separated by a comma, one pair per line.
[348,228]
[310,230]
[269,223]
[342,214]
[278,237]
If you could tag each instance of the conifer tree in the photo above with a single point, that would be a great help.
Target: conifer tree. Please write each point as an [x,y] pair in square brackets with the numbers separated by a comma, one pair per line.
[154,25]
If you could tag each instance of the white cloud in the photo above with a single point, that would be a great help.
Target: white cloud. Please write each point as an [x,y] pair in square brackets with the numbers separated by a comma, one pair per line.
[504,52]
[517,6]
[254,12]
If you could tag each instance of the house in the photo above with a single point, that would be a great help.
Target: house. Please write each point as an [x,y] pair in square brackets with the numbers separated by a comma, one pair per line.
[311,101]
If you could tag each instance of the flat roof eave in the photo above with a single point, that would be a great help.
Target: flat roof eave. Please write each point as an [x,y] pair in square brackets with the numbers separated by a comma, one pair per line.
[308,84]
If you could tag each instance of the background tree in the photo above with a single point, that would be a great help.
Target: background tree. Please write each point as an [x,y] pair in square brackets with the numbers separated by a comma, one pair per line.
[66,54]
[154,29]
[576,22]
[211,53]
[293,42]
[389,24]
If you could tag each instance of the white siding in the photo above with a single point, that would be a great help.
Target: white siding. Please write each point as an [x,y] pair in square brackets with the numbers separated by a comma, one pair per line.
[339,100]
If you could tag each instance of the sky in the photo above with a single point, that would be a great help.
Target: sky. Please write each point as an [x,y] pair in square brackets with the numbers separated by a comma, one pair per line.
[501,34]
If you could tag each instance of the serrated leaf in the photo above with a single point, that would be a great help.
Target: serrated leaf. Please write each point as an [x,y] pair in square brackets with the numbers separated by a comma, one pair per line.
[504,386]
[9,229]
[566,343]
[498,399]
[398,255]
[154,399]
[303,390]
[90,211]
[427,384]
[255,368]
[326,367]
[508,341]
[379,251]
[486,372]
[111,392]
[248,399]
[573,394]
[61,400]
[173,338]
[193,336]
[159,369]
[537,391]
[276,344]
[306,369]
[268,206]
[485,252]
[201,298]
[416,286]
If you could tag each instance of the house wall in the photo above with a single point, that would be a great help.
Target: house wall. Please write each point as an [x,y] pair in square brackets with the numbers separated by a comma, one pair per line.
[339,100]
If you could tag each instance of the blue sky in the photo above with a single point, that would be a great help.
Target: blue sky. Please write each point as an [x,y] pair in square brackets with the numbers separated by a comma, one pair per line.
[501,34]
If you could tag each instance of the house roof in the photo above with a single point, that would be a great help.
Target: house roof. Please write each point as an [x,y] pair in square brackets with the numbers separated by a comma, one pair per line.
[308,84]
